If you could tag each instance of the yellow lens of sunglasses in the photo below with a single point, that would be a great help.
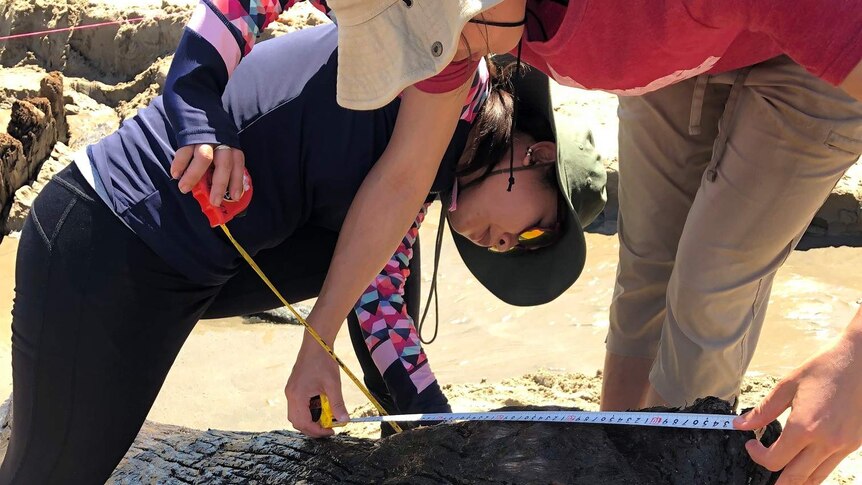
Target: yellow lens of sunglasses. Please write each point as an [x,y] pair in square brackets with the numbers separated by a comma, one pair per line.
[531,234]
[535,238]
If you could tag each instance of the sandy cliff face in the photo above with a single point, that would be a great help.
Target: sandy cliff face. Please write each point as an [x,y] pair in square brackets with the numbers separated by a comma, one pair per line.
[113,53]
[108,73]
[36,125]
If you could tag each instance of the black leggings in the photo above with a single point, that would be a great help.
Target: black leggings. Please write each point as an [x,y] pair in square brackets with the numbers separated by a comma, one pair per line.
[99,318]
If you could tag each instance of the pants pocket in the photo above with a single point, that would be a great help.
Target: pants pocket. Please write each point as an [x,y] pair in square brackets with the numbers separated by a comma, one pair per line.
[844,143]
[49,211]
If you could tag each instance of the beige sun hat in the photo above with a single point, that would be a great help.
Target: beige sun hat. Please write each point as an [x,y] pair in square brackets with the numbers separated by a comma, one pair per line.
[386,45]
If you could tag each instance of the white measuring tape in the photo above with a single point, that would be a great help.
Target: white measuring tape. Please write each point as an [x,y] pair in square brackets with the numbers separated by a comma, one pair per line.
[662,420]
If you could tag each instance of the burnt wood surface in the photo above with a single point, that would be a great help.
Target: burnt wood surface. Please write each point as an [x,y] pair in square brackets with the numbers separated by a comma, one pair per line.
[462,453]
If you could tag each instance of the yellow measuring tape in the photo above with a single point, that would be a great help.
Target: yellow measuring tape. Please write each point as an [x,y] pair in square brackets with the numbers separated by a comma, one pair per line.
[326,419]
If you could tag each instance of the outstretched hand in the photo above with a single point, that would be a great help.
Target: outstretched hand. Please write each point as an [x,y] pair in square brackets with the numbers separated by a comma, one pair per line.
[825,422]
[191,162]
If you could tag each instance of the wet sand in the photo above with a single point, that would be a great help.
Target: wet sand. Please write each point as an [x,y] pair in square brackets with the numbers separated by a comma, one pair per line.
[231,375]
[814,297]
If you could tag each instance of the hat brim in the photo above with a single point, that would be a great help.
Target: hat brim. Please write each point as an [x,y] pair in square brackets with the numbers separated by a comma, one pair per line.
[528,278]
[380,57]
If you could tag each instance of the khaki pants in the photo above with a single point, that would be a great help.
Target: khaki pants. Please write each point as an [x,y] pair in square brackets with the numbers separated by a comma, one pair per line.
[719,177]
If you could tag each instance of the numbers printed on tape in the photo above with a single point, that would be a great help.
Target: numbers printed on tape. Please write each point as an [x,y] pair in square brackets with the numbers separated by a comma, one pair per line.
[320,407]
[662,420]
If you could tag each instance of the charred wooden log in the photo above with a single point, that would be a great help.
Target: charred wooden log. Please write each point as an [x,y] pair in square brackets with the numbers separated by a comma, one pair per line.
[478,452]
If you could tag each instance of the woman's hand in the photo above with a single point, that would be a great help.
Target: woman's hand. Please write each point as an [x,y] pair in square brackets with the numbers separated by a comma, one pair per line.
[825,422]
[191,162]
[313,374]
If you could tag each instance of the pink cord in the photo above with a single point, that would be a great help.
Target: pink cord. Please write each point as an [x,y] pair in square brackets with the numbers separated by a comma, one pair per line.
[77,27]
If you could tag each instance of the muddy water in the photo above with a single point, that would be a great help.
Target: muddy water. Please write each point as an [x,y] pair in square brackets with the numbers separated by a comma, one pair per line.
[231,375]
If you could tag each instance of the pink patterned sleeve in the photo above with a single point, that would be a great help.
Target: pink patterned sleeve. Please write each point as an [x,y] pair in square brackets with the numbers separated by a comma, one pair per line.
[480,89]
[388,329]
[232,26]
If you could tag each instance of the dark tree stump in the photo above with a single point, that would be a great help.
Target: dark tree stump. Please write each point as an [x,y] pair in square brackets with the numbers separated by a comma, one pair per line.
[479,452]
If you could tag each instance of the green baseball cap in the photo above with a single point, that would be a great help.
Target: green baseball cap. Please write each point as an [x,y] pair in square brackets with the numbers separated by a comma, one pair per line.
[528,278]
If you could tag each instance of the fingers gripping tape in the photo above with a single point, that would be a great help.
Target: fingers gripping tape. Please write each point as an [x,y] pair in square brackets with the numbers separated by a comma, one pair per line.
[321,412]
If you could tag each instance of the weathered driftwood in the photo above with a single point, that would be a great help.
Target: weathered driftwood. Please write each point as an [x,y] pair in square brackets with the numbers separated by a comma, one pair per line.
[543,453]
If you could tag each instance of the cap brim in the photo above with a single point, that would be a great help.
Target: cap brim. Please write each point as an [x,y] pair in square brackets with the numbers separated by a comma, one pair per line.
[529,278]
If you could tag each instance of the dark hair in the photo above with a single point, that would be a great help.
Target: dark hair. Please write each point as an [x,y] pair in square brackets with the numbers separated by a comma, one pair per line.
[490,136]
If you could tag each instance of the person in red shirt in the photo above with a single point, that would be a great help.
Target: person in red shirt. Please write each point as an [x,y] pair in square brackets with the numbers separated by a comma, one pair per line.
[736,119]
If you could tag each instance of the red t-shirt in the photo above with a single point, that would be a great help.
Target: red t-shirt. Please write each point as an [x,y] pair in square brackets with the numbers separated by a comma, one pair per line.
[631,47]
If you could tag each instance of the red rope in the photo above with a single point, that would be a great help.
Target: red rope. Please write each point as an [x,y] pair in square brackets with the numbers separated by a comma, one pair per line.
[76,27]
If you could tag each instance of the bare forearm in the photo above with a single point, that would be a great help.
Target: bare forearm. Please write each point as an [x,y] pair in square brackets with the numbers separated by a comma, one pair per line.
[386,203]
[377,220]
[853,331]
[853,83]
